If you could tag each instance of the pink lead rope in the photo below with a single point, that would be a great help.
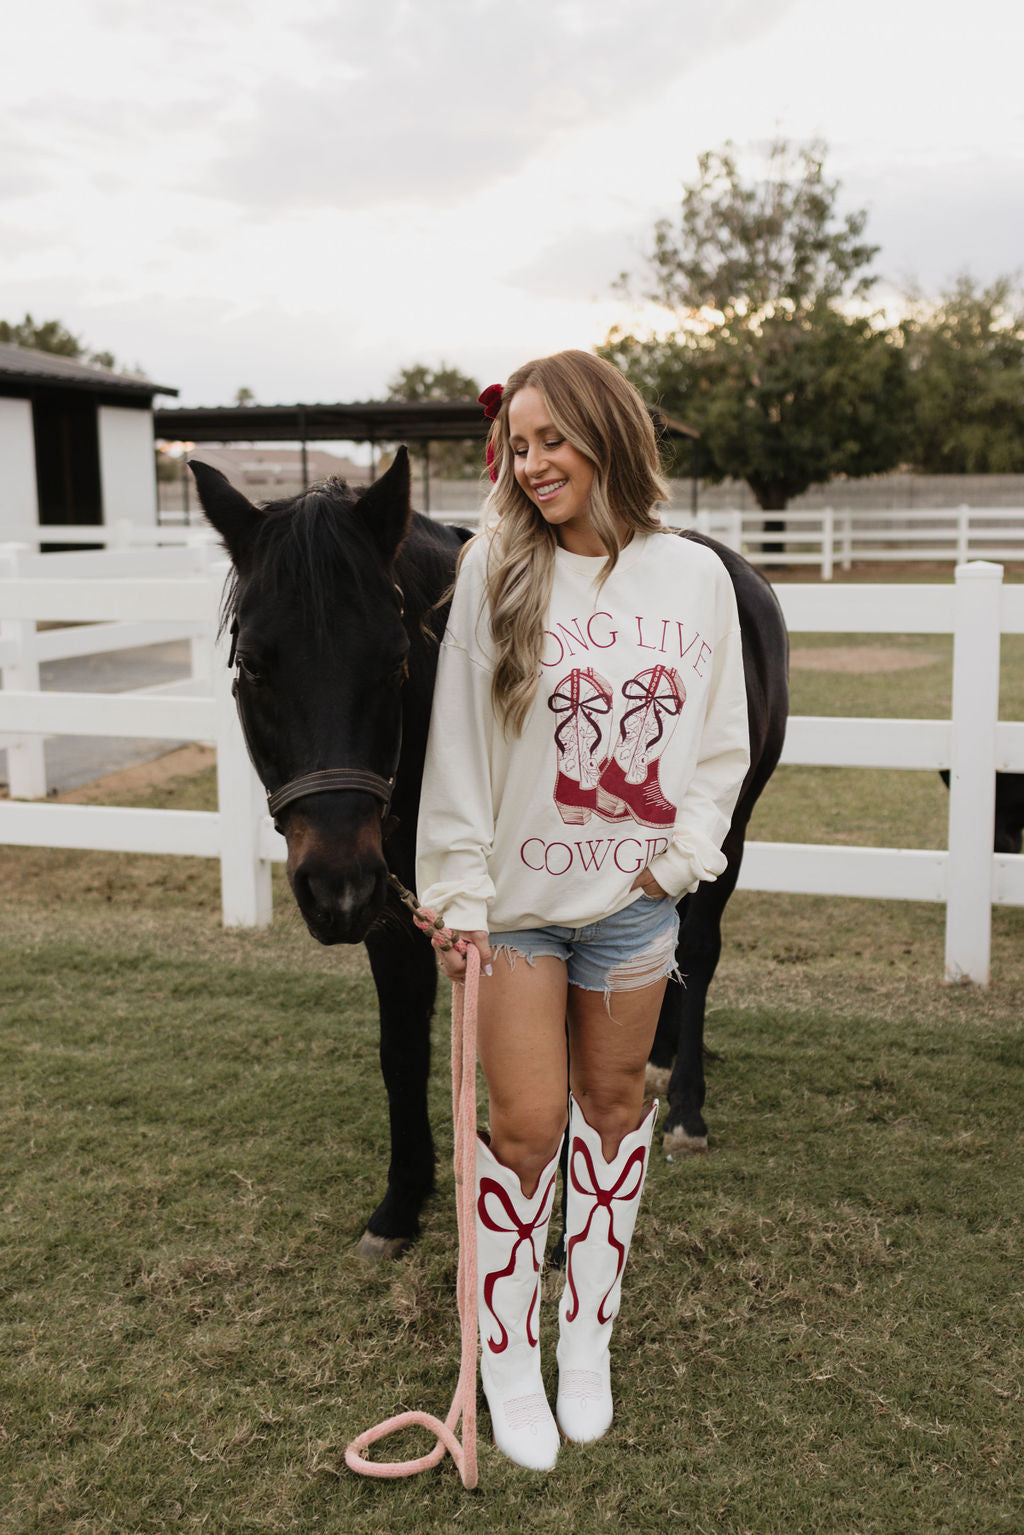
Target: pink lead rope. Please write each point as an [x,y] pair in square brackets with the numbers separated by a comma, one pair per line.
[464,999]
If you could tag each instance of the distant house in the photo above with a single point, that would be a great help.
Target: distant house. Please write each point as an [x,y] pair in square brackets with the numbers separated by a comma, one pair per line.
[76,443]
[267,470]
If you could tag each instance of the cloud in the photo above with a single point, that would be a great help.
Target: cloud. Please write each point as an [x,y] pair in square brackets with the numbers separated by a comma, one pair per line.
[934,218]
[583,264]
[428,102]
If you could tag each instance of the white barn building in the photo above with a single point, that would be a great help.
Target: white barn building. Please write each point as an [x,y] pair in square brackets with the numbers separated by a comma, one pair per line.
[76,443]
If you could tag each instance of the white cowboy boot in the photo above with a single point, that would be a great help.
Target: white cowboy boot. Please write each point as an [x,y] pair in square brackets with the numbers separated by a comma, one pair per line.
[602,1202]
[511,1232]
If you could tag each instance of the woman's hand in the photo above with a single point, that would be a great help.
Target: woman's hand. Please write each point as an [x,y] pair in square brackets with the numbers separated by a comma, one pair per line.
[646,882]
[454,964]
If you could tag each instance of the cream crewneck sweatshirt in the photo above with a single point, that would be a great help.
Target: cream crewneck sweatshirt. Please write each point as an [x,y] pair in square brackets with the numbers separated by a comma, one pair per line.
[633,753]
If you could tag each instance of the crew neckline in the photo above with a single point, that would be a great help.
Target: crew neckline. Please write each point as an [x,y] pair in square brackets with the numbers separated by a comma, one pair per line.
[590,564]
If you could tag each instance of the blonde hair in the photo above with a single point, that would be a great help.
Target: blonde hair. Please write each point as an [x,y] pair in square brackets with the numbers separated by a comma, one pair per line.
[599,412]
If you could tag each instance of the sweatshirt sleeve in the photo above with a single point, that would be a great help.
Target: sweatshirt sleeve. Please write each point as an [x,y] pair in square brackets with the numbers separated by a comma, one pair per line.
[456,819]
[705,811]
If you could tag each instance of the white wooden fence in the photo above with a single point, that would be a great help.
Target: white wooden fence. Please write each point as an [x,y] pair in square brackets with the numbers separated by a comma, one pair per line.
[837,536]
[968,878]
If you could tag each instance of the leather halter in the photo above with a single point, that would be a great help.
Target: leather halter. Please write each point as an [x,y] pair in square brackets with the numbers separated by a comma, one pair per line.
[330,780]
[327,780]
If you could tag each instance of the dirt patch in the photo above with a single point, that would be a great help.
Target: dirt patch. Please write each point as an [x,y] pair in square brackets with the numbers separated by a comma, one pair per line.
[859,658]
[181,763]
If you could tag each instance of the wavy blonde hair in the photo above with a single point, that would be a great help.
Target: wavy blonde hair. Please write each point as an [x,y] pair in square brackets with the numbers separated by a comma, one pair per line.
[599,412]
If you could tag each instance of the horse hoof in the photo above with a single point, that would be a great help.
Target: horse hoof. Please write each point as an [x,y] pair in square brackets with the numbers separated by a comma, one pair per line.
[379,1248]
[657,1079]
[678,1143]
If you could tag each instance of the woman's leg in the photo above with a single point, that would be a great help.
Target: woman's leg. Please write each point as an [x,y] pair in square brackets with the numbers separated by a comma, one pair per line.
[522,1047]
[609,1146]
[609,1042]
[521,1041]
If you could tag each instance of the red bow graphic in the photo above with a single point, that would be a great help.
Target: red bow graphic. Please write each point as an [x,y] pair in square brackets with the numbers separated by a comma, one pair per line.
[524,1233]
[602,1201]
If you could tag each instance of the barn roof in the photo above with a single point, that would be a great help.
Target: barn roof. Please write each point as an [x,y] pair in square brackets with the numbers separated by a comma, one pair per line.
[22,365]
[369,421]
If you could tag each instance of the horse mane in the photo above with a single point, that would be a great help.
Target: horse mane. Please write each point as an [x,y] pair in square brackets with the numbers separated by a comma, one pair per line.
[425,567]
[309,542]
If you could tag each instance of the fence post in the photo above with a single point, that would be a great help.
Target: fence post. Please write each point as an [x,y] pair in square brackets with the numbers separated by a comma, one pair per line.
[828,533]
[244,876]
[735,535]
[972,771]
[963,534]
[26,758]
[847,544]
[203,656]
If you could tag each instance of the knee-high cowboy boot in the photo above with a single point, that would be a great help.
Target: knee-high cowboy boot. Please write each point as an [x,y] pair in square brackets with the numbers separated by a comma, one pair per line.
[512,1231]
[602,1203]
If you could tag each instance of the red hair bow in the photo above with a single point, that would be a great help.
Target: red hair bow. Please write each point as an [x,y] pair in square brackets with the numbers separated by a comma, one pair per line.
[490,399]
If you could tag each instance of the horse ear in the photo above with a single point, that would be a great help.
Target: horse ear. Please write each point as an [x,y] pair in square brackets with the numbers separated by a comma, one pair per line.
[236,519]
[386,507]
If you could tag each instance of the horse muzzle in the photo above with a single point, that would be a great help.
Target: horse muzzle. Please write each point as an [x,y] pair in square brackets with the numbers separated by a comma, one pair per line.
[337,873]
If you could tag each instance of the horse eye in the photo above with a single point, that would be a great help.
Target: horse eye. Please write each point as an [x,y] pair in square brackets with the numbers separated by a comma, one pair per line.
[249,670]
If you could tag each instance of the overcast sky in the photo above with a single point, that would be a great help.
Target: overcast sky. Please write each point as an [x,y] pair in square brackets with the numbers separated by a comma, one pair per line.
[302,196]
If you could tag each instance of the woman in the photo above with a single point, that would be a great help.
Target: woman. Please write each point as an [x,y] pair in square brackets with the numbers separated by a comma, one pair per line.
[587,746]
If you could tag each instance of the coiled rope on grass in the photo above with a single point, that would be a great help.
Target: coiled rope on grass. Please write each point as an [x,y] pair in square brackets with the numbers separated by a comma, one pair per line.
[464,1009]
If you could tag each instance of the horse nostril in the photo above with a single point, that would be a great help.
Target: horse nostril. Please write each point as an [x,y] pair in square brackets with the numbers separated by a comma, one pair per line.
[338,903]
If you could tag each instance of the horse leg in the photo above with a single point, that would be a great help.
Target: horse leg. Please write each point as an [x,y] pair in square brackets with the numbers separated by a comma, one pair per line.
[405,973]
[666,1035]
[697,956]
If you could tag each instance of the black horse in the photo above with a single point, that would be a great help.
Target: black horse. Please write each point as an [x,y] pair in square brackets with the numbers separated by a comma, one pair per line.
[334,612]
[1008,831]
[680,1034]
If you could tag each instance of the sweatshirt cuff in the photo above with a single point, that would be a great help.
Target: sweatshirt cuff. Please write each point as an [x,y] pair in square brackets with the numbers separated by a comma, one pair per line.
[466,916]
[690,858]
[462,909]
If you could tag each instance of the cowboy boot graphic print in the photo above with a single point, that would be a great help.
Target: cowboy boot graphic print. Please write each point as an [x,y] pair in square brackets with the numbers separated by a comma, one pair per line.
[630,785]
[579,703]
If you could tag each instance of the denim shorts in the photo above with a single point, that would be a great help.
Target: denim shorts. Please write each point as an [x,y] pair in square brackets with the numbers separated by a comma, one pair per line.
[630,949]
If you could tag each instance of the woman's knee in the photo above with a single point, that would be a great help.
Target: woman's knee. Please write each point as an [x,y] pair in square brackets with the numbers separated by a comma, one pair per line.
[612,1110]
[527,1144]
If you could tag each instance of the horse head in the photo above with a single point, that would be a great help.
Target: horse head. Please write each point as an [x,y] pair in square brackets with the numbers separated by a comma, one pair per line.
[320,650]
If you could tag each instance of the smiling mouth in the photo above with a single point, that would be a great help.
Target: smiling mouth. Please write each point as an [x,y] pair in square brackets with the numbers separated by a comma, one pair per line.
[545,492]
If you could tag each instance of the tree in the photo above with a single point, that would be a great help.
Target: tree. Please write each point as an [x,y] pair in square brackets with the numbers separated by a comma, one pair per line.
[52,336]
[769,354]
[244,396]
[966,363]
[448,460]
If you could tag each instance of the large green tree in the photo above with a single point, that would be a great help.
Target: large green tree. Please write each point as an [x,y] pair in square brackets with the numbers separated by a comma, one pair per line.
[448,460]
[769,352]
[52,336]
[966,361]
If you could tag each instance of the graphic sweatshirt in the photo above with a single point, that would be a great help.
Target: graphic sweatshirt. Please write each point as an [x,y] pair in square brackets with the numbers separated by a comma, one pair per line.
[632,755]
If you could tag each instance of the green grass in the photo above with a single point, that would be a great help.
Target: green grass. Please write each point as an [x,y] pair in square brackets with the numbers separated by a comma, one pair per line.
[821,1326]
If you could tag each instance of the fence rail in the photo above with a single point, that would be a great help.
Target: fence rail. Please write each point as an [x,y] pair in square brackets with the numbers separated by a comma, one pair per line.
[973,743]
[828,537]
[840,537]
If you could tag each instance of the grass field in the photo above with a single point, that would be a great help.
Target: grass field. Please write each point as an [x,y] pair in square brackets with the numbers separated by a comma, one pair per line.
[821,1326]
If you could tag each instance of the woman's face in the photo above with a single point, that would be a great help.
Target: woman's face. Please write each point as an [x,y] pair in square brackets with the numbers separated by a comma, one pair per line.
[557,477]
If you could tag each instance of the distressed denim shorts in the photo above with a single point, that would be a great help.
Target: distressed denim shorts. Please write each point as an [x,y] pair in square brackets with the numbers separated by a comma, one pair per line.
[630,949]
